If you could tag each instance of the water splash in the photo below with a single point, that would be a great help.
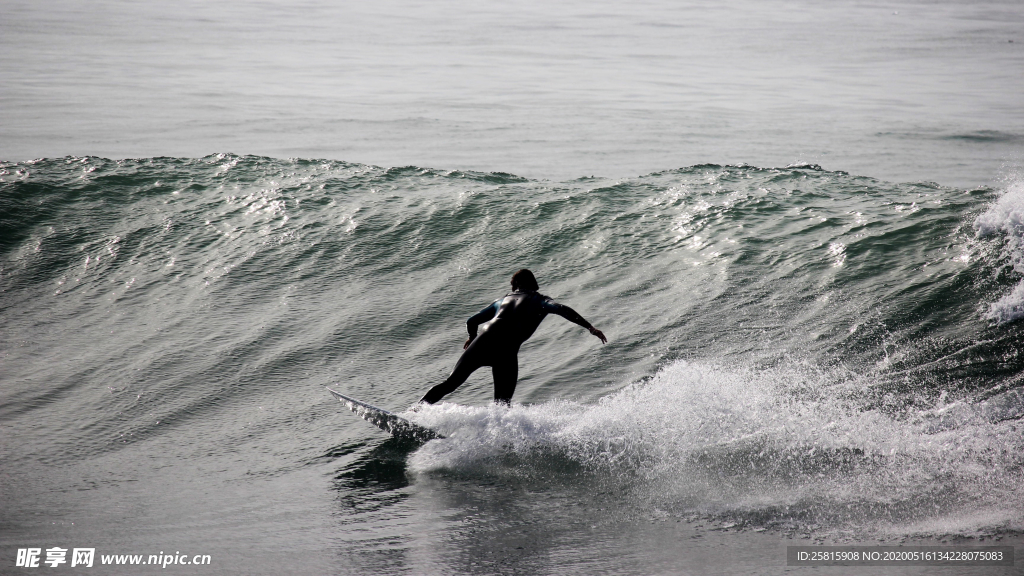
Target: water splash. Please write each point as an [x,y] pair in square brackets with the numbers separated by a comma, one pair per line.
[788,448]
[1006,217]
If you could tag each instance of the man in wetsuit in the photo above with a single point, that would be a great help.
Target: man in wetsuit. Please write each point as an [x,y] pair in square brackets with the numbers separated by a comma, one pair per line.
[504,326]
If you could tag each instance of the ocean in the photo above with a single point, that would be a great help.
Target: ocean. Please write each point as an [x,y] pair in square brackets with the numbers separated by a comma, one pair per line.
[799,225]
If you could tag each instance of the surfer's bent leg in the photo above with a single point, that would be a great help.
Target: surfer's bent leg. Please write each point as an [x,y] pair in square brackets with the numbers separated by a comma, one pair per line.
[471,360]
[506,372]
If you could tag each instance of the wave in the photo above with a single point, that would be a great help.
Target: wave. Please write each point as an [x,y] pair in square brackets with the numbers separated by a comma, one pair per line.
[789,346]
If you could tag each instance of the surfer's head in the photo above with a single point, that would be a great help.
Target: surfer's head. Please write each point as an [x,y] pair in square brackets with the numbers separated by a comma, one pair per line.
[524,281]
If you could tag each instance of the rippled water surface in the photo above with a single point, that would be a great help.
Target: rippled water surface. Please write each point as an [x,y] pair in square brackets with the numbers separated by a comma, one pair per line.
[799,226]
[903,91]
[793,351]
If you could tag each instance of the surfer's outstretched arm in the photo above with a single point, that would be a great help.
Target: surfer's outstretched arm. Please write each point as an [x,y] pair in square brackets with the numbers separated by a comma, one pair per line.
[572,316]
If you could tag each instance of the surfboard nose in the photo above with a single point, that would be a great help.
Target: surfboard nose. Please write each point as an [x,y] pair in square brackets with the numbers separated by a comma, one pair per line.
[386,421]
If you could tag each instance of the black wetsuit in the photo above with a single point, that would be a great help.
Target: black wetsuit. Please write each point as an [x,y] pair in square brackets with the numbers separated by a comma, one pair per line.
[504,326]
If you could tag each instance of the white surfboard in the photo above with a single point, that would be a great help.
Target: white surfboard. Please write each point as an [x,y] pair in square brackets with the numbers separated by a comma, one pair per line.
[395,425]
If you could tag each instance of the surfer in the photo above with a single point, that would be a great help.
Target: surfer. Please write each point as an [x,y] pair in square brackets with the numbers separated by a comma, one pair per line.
[503,327]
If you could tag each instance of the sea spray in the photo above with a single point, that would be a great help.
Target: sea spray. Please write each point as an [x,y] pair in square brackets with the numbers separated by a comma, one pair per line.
[786,448]
[1006,217]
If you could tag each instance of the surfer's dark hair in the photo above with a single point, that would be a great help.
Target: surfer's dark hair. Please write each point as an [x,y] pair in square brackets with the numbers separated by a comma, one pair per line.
[524,280]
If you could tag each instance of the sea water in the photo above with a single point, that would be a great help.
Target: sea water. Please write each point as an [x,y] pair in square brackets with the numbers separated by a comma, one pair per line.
[906,90]
[799,226]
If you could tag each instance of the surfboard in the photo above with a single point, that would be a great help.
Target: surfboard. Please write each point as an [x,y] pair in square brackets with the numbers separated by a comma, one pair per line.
[392,424]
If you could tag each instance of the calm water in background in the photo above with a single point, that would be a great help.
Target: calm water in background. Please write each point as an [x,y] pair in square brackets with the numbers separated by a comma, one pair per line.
[903,91]
[797,354]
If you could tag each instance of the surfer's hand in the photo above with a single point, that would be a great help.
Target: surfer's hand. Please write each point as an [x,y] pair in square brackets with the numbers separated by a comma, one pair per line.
[599,334]
[466,345]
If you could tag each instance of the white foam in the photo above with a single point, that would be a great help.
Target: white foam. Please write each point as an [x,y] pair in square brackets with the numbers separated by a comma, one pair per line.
[760,445]
[1006,217]
[1009,307]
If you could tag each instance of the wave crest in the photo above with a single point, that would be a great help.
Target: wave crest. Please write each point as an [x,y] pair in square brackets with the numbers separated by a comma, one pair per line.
[1006,217]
